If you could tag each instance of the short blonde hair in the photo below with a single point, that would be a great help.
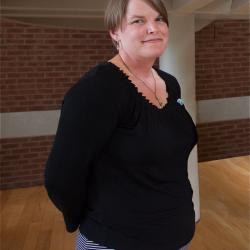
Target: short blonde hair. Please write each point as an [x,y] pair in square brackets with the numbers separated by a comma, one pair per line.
[116,11]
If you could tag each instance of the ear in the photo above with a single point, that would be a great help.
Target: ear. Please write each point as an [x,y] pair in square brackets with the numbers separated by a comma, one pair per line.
[114,35]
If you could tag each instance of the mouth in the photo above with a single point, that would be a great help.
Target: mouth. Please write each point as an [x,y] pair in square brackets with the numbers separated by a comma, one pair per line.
[156,40]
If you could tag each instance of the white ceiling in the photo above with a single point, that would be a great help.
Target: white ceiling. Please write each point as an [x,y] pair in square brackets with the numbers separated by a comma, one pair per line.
[88,14]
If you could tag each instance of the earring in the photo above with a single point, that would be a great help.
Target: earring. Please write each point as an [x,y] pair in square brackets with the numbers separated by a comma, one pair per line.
[118,44]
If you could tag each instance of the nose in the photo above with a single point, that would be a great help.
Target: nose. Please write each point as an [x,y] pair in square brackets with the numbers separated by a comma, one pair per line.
[151,28]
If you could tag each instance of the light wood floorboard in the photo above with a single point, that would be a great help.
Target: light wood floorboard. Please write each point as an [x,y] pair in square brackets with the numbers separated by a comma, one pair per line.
[30,222]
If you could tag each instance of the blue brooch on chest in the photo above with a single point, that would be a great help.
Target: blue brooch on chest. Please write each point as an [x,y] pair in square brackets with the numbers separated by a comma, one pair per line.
[180,101]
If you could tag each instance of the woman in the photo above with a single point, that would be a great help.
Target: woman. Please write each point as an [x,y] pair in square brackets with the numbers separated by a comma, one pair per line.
[118,166]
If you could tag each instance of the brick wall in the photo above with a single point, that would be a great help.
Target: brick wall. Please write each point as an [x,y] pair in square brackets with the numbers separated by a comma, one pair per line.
[22,161]
[218,140]
[223,60]
[222,71]
[38,65]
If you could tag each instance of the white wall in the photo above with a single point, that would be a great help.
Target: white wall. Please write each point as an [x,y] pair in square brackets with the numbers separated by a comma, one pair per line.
[179,60]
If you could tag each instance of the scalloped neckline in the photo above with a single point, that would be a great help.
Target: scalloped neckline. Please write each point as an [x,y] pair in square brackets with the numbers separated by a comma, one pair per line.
[137,90]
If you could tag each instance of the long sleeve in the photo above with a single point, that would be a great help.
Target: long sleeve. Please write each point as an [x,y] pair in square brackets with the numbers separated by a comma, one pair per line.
[89,115]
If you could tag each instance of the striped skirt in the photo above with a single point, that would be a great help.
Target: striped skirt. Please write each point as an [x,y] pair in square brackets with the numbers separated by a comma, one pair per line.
[82,243]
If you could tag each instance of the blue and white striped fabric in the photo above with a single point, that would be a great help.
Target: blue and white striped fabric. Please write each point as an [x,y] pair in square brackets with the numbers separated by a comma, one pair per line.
[82,243]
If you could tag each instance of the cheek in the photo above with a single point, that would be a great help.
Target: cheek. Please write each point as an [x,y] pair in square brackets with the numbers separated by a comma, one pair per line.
[164,31]
[165,34]
[138,33]
[134,37]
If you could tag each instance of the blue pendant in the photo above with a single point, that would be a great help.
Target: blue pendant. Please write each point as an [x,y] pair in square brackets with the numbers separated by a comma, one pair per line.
[180,101]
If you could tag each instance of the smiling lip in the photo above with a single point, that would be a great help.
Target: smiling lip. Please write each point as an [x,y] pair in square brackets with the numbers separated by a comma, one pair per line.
[152,40]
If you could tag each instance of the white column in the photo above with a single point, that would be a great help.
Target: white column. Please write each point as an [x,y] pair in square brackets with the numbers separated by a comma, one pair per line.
[179,60]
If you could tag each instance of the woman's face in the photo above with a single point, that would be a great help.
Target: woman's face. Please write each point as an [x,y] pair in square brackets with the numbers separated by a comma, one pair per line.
[144,33]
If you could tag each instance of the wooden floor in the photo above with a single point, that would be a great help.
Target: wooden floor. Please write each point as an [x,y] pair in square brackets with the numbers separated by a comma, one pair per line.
[30,222]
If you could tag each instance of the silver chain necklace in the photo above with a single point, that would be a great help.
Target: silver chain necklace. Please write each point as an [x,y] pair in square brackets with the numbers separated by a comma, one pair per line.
[154,92]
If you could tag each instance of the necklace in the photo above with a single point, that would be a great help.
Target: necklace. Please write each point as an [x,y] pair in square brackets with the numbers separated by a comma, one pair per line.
[145,84]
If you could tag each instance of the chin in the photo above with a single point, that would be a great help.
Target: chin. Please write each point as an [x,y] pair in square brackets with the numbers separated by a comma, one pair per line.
[154,54]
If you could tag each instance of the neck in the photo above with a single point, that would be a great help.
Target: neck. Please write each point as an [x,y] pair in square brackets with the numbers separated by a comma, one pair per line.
[141,67]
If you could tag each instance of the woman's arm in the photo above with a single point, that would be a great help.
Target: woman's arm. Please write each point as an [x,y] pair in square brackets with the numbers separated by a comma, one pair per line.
[88,118]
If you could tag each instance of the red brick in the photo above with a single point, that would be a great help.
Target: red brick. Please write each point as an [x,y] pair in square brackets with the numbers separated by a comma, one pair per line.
[229,53]
[20,168]
[47,61]
[223,139]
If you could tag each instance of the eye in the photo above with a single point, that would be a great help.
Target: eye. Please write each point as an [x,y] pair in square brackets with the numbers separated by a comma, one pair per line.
[160,19]
[139,21]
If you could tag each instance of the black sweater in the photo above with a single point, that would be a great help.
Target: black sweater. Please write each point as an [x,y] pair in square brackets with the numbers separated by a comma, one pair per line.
[118,165]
